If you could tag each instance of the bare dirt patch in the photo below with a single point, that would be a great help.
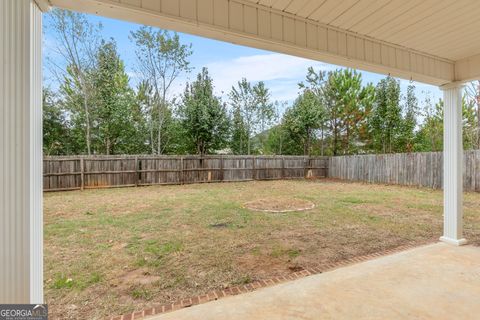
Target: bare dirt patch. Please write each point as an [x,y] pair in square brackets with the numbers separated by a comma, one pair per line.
[279,204]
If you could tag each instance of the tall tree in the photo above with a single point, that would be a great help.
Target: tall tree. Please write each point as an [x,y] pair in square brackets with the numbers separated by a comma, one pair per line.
[145,101]
[76,42]
[386,116]
[347,104]
[203,116]
[409,121]
[266,111]
[161,59]
[254,106]
[114,100]
[303,119]
[315,83]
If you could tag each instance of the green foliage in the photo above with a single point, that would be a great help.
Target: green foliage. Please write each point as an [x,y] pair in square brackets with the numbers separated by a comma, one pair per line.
[303,119]
[409,123]
[55,127]
[386,117]
[252,111]
[277,140]
[347,104]
[140,292]
[96,111]
[62,282]
[114,129]
[239,133]
[203,116]
[430,134]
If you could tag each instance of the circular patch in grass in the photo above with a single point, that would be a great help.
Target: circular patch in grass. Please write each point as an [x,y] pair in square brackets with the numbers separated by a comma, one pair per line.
[279,205]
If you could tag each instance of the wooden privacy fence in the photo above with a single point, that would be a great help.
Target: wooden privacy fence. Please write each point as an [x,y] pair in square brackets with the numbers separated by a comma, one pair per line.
[81,172]
[413,169]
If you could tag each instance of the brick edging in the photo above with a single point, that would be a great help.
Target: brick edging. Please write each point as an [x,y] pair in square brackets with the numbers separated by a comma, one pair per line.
[233,291]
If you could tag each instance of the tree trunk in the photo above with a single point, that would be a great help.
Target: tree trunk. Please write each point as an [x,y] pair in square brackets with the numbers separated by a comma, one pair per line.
[322,146]
[335,139]
[281,144]
[152,142]
[87,123]
[108,145]
[347,149]
[159,136]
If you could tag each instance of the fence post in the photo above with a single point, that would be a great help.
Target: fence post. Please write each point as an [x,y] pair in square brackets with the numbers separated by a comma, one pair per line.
[304,167]
[182,174]
[82,183]
[254,174]
[221,169]
[136,171]
[283,167]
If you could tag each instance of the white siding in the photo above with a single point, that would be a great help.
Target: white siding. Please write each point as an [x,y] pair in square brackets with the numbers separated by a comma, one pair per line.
[21,221]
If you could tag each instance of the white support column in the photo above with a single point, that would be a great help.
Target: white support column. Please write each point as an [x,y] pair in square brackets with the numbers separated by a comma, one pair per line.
[452,165]
[21,231]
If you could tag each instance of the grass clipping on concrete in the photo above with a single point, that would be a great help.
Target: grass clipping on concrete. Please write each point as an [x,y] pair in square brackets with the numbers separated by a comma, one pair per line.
[112,251]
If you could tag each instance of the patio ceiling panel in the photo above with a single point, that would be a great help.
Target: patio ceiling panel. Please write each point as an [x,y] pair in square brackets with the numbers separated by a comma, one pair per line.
[430,26]
[265,24]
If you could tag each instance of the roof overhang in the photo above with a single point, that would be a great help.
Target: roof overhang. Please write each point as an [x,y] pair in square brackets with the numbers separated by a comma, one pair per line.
[44,5]
[251,24]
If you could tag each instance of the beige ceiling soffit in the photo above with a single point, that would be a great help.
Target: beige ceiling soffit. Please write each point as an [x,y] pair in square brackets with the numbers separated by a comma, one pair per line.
[44,5]
[468,69]
[330,27]
[244,23]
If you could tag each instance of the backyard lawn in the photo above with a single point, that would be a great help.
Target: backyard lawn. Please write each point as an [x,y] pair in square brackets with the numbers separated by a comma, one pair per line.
[112,251]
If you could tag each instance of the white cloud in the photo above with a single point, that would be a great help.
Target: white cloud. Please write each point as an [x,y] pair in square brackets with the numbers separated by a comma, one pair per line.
[280,72]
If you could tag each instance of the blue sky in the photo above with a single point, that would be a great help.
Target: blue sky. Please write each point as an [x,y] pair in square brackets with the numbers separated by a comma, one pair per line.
[228,63]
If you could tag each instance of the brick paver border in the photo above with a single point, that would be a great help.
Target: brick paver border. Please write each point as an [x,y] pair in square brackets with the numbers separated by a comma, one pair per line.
[232,291]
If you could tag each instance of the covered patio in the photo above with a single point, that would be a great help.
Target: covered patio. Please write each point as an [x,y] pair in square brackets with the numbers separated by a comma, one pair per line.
[434,42]
[420,283]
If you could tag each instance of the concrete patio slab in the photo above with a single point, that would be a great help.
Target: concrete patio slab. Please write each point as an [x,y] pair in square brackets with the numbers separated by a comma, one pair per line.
[437,281]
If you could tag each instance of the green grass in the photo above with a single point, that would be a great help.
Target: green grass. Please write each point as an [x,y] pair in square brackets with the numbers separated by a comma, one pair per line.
[131,248]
